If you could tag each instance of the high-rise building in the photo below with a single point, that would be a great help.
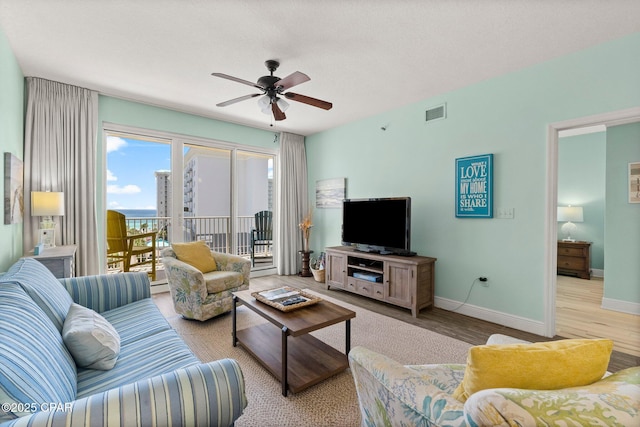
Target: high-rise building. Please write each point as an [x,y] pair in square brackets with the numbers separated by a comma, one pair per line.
[163,193]
[207,193]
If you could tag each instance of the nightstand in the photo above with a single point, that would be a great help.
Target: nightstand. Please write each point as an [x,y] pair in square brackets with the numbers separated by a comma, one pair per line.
[574,259]
[59,260]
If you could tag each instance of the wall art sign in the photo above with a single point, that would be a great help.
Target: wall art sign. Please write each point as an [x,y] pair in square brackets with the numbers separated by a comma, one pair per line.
[474,186]
[634,182]
[330,192]
[13,182]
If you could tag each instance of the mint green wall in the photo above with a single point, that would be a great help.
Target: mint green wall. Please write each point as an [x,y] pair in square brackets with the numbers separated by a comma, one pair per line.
[11,141]
[581,182]
[130,113]
[122,112]
[507,116]
[622,239]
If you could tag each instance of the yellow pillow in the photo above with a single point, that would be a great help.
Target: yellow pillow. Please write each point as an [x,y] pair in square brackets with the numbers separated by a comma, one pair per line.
[539,366]
[196,254]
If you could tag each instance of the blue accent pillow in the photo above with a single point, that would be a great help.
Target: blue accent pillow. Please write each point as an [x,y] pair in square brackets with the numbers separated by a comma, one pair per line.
[92,341]
[35,366]
[43,287]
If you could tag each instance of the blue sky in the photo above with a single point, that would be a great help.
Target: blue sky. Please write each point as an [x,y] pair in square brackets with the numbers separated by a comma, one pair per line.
[131,166]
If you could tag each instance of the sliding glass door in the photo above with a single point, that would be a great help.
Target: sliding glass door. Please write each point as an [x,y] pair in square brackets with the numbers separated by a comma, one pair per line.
[207,196]
[138,186]
[193,189]
[254,219]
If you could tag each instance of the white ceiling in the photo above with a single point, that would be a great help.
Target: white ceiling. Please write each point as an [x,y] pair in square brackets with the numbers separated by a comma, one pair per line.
[365,56]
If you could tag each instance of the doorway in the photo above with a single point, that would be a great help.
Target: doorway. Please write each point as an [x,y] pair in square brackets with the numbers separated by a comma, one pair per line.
[607,120]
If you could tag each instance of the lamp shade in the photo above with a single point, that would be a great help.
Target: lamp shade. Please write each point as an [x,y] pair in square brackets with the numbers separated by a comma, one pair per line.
[282,104]
[47,203]
[570,214]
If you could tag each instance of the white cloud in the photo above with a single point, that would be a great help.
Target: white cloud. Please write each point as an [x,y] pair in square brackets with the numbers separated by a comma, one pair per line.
[111,176]
[114,143]
[115,205]
[127,189]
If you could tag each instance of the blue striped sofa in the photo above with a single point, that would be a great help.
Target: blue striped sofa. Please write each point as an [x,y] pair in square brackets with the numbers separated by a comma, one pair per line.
[157,380]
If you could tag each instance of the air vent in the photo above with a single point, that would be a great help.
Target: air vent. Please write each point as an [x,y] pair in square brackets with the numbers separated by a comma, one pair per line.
[437,113]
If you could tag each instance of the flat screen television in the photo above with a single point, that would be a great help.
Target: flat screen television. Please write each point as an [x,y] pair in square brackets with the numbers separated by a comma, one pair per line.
[378,225]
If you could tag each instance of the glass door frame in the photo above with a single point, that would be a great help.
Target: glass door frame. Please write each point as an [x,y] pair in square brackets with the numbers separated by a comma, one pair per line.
[177,143]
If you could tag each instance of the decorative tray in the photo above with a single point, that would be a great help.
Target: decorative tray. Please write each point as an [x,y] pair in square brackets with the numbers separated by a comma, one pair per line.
[286,298]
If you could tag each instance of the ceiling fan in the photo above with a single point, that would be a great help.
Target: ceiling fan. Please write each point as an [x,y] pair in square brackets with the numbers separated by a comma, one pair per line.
[273,88]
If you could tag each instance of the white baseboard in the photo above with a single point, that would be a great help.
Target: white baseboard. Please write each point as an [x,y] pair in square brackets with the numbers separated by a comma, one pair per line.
[157,289]
[597,272]
[263,272]
[505,319]
[619,305]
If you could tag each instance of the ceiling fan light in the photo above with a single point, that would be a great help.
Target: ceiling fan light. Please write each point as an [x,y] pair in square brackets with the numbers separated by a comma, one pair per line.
[283,104]
[264,102]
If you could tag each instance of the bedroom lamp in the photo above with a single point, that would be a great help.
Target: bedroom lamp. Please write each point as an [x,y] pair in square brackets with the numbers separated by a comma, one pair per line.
[569,215]
[47,204]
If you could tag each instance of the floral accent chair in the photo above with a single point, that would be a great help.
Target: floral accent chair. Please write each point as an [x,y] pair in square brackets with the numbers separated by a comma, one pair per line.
[391,394]
[201,296]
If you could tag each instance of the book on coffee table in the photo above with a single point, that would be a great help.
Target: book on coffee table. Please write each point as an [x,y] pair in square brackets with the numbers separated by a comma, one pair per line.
[285,298]
[275,294]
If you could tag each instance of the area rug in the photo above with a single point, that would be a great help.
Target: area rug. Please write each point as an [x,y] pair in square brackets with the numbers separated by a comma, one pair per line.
[333,402]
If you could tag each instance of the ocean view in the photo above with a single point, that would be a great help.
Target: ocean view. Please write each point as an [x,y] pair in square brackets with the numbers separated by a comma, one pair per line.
[138,213]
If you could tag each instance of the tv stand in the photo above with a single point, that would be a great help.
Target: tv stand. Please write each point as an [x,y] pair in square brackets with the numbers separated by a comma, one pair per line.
[404,281]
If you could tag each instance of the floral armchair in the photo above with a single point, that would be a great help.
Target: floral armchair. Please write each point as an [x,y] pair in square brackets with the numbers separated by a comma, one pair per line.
[201,296]
[391,394]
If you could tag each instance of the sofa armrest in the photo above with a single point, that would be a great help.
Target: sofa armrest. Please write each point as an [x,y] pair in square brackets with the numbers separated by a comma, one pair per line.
[108,291]
[209,394]
[392,394]
[230,262]
[614,400]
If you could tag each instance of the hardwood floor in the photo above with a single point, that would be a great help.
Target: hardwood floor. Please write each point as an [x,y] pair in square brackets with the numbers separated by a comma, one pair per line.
[579,315]
[444,322]
[574,309]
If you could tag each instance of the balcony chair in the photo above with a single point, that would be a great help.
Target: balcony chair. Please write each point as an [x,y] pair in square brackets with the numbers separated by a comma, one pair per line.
[124,247]
[262,234]
[202,281]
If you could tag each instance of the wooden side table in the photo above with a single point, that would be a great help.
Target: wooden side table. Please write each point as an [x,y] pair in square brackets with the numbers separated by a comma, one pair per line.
[59,260]
[574,258]
[306,270]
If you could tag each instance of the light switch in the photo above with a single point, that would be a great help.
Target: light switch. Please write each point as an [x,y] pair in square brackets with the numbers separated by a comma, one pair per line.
[505,213]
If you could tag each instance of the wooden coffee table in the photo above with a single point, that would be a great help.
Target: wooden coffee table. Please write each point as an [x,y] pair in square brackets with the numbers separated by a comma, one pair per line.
[294,357]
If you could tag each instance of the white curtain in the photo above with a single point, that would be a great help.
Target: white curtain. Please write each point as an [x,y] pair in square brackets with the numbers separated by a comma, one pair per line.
[60,155]
[293,201]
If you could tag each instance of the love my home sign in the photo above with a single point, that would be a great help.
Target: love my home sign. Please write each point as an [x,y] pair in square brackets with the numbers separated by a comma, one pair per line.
[474,186]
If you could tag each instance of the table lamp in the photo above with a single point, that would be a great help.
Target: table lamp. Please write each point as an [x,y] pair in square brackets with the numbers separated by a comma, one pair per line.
[47,204]
[569,215]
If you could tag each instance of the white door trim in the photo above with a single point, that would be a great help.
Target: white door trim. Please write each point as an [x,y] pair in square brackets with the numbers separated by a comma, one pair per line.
[614,118]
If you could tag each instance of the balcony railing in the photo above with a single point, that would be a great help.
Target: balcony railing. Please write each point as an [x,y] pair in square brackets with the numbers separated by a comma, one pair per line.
[214,230]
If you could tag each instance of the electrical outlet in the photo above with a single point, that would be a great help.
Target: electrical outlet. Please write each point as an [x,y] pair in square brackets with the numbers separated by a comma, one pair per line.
[484,281]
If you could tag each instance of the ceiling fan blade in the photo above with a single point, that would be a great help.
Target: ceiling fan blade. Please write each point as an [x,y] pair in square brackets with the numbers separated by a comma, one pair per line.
[278,114]
[291,80]
[238,99]
[236,79]
[308,100]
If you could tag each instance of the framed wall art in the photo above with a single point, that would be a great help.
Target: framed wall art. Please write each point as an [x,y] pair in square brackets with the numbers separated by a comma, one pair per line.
[330,192]
[474,186]
[13,184]
[634,182]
